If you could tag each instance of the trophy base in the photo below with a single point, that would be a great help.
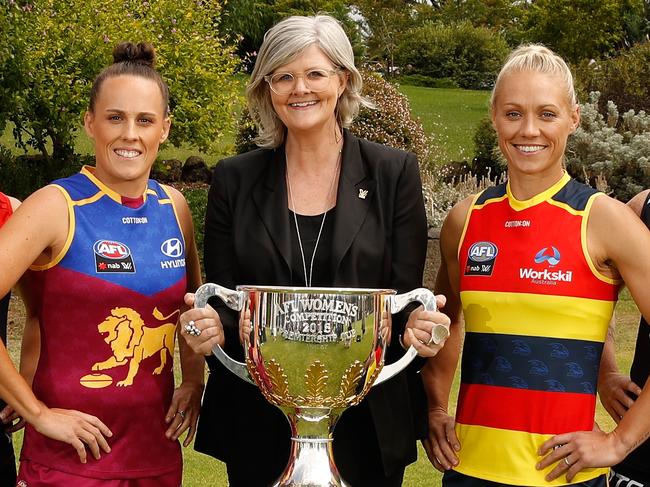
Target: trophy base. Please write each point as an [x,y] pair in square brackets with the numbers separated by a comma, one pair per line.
[311,464]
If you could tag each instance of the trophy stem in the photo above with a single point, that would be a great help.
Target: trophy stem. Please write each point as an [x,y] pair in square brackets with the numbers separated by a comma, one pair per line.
[311,461]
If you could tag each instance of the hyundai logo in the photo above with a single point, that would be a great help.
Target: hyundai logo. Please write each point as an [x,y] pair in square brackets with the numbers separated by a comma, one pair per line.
[172,247]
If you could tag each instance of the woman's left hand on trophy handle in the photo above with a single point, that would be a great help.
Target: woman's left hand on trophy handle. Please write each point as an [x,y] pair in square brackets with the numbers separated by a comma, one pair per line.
[420,328]
[201,327]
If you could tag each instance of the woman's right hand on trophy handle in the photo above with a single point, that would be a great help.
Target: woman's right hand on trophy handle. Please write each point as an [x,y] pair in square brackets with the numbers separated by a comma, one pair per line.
[201,327]
[420,329]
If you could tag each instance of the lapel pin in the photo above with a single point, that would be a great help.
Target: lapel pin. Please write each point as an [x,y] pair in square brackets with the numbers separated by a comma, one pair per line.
[363,193]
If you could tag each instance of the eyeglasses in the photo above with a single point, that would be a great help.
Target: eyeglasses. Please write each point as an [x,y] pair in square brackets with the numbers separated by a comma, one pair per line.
[315,80]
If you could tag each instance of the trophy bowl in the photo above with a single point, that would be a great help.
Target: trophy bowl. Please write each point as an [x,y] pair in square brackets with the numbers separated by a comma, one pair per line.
[313,352]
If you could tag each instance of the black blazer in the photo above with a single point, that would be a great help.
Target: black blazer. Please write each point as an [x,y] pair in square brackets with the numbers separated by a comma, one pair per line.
[378,242]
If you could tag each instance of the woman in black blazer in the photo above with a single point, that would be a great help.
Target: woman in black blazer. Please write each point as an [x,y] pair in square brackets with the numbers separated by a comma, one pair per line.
[313,206]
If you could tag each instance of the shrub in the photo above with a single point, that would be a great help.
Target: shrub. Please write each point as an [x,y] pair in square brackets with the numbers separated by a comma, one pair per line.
[614,147]
[622,79]
[426,81]
[440,196]
[196,195]
[488,161]
[471,56]
[390,123]
[52,50]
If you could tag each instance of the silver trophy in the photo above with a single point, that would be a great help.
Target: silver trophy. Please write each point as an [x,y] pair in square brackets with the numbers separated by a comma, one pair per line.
[313,352]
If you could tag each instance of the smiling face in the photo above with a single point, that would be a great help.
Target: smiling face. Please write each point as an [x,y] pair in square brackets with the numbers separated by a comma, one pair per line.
[128,124]
[533,118]
[303,110]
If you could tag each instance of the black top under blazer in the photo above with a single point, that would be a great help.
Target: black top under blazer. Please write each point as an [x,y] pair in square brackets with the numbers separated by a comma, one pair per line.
[378,242]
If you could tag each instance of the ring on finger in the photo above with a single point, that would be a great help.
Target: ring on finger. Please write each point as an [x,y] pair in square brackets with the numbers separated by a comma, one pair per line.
[191,329]
[566,460]
[181,414]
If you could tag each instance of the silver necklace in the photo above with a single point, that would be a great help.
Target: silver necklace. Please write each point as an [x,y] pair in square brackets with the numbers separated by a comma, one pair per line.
[322,223]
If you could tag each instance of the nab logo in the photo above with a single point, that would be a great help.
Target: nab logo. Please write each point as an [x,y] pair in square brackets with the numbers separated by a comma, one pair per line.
[172,247]
[552,259]
[110,249]
[483,251]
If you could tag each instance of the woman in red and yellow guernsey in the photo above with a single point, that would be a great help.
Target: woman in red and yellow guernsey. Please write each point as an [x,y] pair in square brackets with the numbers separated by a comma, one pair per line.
[534,266]
[110,254]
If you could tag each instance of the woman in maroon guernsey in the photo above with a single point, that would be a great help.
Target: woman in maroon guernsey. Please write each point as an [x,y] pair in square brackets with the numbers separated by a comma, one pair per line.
[110,255]
[533,268]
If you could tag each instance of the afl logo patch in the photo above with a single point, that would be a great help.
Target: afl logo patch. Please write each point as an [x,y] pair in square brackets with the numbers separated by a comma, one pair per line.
[481,257]
[172,247]
[112,256]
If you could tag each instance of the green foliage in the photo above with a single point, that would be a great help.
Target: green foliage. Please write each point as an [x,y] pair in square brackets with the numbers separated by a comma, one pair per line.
[197,199]
[57,47]
[488,161]
[498,15]
[248,20]
[615,147]
[422,80]
[582,29]
[469,55]
[391,122]
[622,79]
[384,23]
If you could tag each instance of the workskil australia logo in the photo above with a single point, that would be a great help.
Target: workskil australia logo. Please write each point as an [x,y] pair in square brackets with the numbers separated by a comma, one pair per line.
[550,275]
[481,257]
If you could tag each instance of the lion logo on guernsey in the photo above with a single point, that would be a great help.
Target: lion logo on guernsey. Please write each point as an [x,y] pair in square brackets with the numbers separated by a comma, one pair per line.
[112,256]
[131,342]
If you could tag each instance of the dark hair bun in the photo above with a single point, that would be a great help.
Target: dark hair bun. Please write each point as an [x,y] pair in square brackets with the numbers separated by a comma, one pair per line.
[127,52]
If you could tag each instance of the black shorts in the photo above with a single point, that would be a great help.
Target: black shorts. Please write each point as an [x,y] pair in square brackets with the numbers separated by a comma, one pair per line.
[451,478]
[624,476]
[7,460]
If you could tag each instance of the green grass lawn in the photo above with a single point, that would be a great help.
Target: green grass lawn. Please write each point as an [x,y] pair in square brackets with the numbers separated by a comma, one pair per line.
[450,116]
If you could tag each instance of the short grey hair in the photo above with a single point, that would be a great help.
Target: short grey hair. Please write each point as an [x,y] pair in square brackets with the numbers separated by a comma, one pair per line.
[282,44]
[536,57]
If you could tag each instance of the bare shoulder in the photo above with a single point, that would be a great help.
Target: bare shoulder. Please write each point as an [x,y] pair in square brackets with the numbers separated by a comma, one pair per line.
[182,208]
[45,203]
[175,194]
[611,212]
[455,220]
[637,202]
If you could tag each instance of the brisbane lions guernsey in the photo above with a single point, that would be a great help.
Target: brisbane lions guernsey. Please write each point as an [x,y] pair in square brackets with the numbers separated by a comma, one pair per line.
[109,305]
[536,315]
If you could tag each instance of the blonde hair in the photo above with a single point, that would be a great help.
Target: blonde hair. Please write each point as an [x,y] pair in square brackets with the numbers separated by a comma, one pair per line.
[282,44]
[536,57]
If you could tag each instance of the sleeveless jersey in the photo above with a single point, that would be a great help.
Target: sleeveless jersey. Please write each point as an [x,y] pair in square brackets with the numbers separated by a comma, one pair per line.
[536,315]
[640,370]
[109,303]
[5,212]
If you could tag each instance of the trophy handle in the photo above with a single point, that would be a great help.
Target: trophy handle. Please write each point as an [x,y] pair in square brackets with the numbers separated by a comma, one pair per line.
[234,300]
[398,303]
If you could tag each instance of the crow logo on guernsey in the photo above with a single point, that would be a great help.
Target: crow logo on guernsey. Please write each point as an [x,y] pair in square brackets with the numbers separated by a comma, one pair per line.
[480,259]
[112,256]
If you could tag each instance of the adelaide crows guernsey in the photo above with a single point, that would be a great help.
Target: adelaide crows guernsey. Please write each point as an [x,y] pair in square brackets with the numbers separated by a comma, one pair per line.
[109,303]
[536,315]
